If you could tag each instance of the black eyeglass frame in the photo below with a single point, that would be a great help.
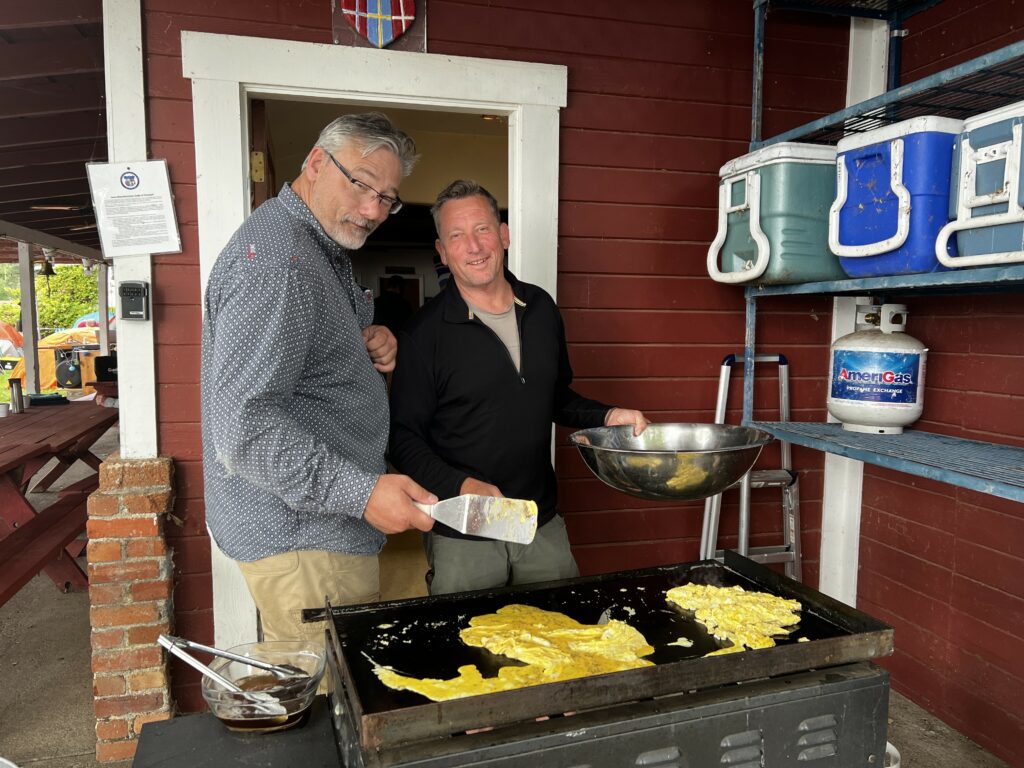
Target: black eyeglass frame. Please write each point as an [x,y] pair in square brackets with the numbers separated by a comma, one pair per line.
[394,204]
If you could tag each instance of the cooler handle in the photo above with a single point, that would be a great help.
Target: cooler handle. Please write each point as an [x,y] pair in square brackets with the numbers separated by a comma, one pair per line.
[968,199]
[902,213]
[752,200]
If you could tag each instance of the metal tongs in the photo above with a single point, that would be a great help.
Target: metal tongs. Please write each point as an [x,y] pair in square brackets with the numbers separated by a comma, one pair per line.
[174,645]
[263,702]
[281,670]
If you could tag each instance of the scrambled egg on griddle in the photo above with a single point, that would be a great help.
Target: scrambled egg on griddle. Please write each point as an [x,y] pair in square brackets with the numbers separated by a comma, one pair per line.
[745,619]
[552,646]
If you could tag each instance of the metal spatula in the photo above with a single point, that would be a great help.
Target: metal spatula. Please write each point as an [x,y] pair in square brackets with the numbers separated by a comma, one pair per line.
[491,517]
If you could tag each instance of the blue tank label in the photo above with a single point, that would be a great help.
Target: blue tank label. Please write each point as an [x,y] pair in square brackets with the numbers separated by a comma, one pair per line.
[875,377]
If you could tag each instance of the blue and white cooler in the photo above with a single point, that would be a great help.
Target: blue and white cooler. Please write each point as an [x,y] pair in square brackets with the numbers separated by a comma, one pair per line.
[892,197]
[987,196]
[773,216]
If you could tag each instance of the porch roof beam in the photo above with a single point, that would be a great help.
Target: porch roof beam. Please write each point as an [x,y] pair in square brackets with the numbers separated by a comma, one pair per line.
[22,234]
[51,13]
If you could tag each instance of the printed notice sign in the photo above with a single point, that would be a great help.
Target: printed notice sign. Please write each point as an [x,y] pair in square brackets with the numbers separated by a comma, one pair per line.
[134,210]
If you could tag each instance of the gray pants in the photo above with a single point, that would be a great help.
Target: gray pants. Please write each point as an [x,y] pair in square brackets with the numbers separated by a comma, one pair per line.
[461,565]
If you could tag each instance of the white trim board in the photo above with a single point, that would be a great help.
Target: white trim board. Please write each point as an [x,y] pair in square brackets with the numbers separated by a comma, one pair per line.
[839,556]
[228,70]
[127,142]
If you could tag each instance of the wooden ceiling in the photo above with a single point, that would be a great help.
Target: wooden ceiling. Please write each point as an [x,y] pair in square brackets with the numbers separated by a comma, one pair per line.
[52,116]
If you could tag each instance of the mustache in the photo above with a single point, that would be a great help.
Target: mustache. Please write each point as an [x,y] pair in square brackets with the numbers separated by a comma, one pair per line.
[366,224]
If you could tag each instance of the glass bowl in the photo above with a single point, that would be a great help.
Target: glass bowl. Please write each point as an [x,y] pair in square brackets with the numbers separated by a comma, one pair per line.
[280,702]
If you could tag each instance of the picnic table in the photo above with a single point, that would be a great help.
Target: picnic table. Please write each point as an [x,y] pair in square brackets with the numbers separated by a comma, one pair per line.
[31,541]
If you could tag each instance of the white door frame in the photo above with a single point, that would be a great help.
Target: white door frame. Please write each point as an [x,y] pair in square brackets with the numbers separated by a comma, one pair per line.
[227,70]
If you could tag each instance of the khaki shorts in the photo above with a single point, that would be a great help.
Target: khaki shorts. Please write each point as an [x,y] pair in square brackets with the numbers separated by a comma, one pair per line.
[460,565]
[282,585]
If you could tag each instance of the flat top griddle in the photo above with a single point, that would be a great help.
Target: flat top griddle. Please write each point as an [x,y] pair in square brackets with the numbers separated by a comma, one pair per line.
[420,637]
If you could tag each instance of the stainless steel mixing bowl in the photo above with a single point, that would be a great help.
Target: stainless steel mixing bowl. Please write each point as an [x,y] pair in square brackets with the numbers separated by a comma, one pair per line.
[676,462]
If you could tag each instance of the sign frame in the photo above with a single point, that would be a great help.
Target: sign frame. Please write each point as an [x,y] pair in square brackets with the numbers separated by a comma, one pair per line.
[134,208]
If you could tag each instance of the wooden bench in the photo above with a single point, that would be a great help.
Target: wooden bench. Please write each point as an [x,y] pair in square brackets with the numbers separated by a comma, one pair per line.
[36,543]
[28,442]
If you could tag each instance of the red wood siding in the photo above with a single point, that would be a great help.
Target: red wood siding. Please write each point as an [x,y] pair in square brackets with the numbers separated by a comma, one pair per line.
[657,103]
[942,564]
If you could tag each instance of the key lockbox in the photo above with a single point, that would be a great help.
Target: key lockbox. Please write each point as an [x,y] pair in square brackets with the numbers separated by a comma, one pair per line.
[134,299]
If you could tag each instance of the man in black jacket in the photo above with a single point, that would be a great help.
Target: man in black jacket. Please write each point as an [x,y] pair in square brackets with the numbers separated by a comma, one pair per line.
[482,373]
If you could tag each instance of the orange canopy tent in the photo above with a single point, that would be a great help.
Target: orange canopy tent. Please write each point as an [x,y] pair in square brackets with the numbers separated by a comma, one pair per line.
[12,334]
[10,346]
[76,337]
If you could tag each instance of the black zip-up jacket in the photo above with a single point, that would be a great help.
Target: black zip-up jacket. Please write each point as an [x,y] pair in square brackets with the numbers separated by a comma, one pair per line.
[460,409]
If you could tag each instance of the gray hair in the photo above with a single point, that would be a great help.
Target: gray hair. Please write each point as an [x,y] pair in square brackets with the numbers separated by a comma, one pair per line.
[459,190]
[369,131]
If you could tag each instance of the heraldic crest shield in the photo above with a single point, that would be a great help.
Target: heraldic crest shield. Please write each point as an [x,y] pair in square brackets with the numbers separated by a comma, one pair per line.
[381,22]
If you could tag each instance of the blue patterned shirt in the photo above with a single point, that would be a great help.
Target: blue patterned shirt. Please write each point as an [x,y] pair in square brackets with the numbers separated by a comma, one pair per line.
[295,417]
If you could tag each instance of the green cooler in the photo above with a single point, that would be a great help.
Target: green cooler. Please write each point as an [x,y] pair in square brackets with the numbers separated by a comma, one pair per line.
[773,209]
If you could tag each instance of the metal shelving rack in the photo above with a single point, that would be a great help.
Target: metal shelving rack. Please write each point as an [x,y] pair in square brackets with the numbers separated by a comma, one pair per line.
[979,85]
[984,83]
[979,279]
[893,12]
[985,467]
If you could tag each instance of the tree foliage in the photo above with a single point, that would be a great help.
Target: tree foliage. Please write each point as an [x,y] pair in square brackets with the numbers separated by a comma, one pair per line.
[9,293]
[61,298]
[9,312]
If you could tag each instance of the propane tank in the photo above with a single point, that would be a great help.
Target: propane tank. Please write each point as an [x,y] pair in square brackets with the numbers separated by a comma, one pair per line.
[876,375]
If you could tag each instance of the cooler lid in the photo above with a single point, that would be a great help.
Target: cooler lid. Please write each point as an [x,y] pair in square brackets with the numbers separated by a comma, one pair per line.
[783,152]
[928,123]
[1008,112]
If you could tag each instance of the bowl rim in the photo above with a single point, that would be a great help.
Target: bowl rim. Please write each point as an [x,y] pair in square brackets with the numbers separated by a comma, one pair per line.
[220,664]
[760,442]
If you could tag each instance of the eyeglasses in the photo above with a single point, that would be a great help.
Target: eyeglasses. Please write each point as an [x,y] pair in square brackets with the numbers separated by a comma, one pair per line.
[388,203]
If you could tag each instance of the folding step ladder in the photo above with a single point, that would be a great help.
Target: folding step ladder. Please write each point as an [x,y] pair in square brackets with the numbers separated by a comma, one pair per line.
[789,551]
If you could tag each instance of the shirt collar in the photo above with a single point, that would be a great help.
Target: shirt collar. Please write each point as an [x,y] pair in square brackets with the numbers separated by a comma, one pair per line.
[456,308]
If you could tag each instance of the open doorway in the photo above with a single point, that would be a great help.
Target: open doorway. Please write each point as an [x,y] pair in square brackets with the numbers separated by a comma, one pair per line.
[398,258]
[228,71]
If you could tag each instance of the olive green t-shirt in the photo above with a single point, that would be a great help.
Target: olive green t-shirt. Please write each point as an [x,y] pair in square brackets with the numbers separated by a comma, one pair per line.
[504,325]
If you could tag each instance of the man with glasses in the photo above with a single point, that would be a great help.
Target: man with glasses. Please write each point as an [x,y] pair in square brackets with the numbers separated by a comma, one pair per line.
[295,412]
[482,373]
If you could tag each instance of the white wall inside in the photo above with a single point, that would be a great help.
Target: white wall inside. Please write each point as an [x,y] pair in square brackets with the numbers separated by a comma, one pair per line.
[451,145]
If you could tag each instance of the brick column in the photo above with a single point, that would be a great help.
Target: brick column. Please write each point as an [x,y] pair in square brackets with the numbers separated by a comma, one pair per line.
[130,583]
